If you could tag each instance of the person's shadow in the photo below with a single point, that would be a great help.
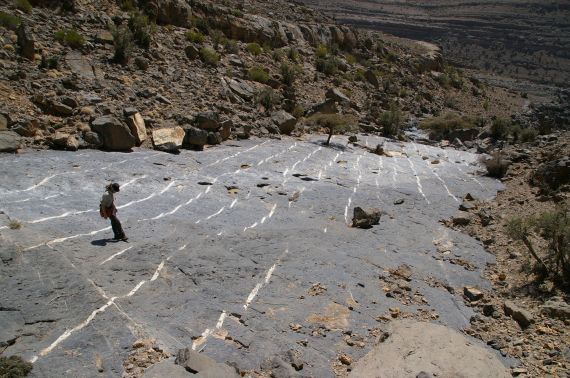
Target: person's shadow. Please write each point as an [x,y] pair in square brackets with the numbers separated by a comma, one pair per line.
[103,242]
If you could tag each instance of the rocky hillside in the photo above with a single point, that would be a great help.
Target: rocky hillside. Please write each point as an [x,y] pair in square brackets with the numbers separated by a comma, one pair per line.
[523,39]
[169,74]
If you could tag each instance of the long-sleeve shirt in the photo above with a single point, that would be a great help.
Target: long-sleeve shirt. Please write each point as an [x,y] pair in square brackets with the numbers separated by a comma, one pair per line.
[107,200]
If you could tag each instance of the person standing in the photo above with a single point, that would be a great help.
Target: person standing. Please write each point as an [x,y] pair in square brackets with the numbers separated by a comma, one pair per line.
[107,209]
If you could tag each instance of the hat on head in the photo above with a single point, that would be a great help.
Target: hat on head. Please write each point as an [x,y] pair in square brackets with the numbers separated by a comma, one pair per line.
[115,187]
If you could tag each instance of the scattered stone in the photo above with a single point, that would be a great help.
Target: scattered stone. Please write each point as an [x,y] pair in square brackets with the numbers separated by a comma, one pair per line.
[137,126]
[523,317]
[192,52]
[284,121]
[462,218]
[160,98]
[352,139]
[193,361]
[403,271]
[489,309]
[3,122]
[365,218]
[9,141]
[165,368]
[207,120]
[168,139]
[65,141]
[104,37]
[214,138]
[556,307]
[337,96]
[195,137]
[473,294]
[399,201]
[142,63]
[467,205]
[518,371]
[423,374]
[115,135]
[26,42]
[345,359]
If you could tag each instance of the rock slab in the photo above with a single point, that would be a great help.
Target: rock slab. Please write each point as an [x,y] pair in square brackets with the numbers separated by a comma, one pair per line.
[417,347]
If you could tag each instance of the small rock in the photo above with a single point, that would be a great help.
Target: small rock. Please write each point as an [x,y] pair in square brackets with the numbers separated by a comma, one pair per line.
[365,218]
[472,293]
[423,374]
[556,307]
[284,121]
[345,359]
[523,317]
[168,139]
[352,139]
[518,371]
[193,361]
[162,99]
[462,218]
[399,201]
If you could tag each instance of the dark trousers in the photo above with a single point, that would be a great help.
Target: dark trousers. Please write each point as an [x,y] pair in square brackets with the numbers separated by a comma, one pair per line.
[117,228]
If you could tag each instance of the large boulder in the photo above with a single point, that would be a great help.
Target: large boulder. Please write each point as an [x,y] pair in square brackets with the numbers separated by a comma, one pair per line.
[337,96]
[284,121]
[168,139]
[237,90]
[556,307]
[209,120]
[553,174]
[3,122]
[114,135]
[26,42]
[195,138]
[137,126]
[65,141]
[168,12]
[202,365]
[9,141]
[365,218]
[416,349]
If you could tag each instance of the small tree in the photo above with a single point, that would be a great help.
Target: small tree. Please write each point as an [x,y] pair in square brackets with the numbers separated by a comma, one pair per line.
[289,73]
[123,41]
[391,121]
[553,227]
[334,123]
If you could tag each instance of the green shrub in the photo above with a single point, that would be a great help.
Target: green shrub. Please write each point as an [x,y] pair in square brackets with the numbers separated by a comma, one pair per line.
[293,55]
[321,52]
[289,73]
[209,56]
[350,59]
[218,38]
[8,21]
[23,5]
[194,36]
[236,13]
[528,135]
[123,42]
[553,228]
[70,37]
[254,48]
[49,61]
[391,121]
[501,128]
[127,5]
[141,28]
[496,165]
[328,66]
[278,55]
[258,74]
[268,98]
[441,127]
[231,46]
[201,24]
[14,367]
[298,111]
[334,123]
